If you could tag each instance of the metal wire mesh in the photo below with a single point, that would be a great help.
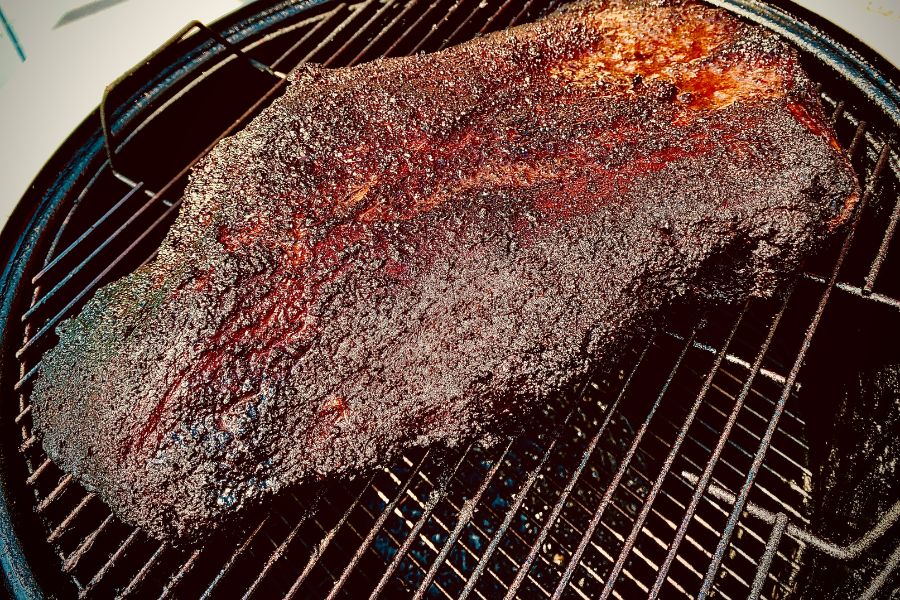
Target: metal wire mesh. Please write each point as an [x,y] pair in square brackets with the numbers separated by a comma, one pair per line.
[605,503]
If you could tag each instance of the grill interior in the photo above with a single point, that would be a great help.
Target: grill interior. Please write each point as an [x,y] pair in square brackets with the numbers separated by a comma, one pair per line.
[606,502]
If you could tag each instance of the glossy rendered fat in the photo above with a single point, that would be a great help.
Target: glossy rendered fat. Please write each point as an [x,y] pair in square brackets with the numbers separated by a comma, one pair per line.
[422,250]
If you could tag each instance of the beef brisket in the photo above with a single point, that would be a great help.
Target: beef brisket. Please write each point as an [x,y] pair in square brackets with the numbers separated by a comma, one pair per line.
[417,250]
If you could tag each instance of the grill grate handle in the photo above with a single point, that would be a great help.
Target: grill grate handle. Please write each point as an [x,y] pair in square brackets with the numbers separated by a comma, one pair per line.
[108,140]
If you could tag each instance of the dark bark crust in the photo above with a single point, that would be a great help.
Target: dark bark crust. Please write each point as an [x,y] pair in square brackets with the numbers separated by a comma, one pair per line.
[420,250]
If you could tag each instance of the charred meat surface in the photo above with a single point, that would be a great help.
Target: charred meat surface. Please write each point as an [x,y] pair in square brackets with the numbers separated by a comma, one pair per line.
[419,250]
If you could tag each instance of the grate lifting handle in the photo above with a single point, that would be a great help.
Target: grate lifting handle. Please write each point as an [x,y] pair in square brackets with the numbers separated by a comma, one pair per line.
[108,141]
[845,553]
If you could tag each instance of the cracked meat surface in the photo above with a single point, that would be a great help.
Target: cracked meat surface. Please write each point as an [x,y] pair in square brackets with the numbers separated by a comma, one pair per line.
[423,250]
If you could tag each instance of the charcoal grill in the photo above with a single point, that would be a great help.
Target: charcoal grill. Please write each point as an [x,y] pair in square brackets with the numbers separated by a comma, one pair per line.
[686,471]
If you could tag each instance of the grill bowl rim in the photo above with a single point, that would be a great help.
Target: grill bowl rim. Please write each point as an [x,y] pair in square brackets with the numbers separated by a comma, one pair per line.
[39,210]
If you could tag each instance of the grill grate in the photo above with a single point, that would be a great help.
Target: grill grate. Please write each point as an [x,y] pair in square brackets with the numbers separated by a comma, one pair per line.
[606,504]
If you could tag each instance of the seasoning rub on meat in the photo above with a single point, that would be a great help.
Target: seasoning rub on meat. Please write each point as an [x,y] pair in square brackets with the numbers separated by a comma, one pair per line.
[421,250]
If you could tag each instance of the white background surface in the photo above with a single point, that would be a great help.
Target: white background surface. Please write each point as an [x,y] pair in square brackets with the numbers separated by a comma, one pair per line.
[67,66]
[66,69]
[876,22]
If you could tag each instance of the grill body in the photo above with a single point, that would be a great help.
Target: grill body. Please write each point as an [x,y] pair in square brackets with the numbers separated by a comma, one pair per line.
[655,477]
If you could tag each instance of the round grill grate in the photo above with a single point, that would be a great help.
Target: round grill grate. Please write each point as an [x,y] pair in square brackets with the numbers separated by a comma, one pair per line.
[610,496]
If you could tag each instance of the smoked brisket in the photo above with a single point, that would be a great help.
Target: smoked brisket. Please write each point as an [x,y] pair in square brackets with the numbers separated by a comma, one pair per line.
[421,250]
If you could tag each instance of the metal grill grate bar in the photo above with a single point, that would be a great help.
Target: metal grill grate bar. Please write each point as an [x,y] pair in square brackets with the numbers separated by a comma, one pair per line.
[416,561]
[384,30]
[436,27]
[481,531]
[412,557]
[274,556]
[735,470]
[374,529]
[523,11]
[83,593]
[142,573]
[465,515]
[573,478]
[875,269]
[779,408]
[66,523]
[731,358]
[373,19]
[72,561]
[766,563]
[402,38]
[404,548]
[268,536]
[179,574]
[29,443]
[575,559]
[839,108]
[32,479]
[478,8]
[858,137]
[769,401]
[87,233]
[857,291]
[25,412]
[321,22]
[670,459]
[512,511]
[239,552]
[26,377]
[882,578]
[768,469]
[334,32]
[54,493]
[323,544]
[670,524]
[848,552]
[490,21]
[598,547]
[750,434]
[750,560]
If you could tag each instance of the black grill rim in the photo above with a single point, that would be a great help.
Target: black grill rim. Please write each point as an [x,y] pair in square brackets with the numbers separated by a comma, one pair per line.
[864,68]
[21,560]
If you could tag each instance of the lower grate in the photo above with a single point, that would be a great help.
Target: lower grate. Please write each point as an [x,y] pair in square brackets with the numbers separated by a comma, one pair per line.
[648,479]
